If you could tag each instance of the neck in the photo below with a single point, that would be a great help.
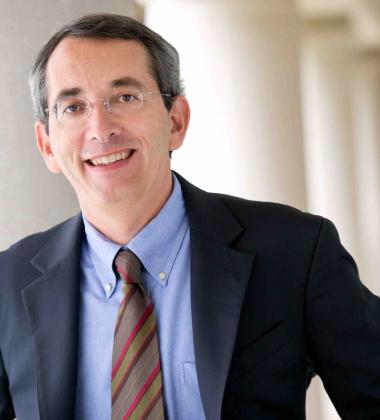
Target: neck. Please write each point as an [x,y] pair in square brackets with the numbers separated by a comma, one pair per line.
[120,222]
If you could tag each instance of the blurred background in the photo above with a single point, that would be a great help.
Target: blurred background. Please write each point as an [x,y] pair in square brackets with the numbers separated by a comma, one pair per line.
[285,99]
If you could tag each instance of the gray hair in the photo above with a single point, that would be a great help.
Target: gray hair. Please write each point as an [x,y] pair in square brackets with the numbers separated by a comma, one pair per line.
[164,58]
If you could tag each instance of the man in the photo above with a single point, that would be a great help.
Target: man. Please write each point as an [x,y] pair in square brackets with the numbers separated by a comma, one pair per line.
[249,299]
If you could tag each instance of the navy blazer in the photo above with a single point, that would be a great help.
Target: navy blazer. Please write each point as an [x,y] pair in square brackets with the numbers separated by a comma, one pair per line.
[275,299]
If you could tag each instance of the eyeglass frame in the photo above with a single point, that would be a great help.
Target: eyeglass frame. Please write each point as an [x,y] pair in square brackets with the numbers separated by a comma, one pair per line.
[106,103]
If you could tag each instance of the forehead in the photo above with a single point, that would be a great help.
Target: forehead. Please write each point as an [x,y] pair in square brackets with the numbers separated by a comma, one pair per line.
[91,64]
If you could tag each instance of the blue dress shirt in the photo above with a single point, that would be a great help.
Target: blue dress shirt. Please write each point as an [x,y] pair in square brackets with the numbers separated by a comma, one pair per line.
[163,247]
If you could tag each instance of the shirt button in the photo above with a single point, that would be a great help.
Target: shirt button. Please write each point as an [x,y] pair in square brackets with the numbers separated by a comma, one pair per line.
[108,287]
[162,276]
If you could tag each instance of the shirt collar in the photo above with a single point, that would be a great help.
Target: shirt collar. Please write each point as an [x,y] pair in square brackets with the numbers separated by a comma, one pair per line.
[102,252]
[156,245]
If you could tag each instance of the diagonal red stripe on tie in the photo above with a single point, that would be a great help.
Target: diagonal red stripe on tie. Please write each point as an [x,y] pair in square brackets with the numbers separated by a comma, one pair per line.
[141,393]
[132,335]
[132,363]
[123,305]
[125,276]
[151,404]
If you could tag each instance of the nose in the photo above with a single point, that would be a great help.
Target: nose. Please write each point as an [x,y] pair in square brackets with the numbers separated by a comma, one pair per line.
[101,125]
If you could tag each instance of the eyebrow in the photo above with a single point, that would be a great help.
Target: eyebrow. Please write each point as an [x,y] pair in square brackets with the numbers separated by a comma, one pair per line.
[65,93]
[127,81]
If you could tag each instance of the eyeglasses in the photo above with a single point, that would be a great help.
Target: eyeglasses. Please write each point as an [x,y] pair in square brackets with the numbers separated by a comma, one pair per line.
[73,110]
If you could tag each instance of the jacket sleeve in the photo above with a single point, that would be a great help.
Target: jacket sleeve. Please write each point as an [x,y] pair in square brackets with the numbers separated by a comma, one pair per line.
[343,328]
[6,407]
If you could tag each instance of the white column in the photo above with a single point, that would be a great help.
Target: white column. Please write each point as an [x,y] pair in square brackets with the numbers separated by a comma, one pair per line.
[330,172]
[366,129]
[241,70]
[31,198]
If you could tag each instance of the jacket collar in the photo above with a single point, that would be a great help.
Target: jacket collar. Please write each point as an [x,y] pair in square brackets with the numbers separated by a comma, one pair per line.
[207,214]
[219,277]
[63,240]
[51,302]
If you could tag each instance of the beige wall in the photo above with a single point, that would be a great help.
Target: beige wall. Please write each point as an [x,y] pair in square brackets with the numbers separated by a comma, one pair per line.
[31,198]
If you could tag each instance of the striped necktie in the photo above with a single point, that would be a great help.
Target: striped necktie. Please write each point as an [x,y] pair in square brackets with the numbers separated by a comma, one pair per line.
[136,371]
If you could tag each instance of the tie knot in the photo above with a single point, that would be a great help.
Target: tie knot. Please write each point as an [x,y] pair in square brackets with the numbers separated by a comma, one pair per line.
[128,266]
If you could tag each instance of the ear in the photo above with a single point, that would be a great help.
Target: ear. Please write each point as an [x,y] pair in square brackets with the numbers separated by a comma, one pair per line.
[180,117]
[44,146]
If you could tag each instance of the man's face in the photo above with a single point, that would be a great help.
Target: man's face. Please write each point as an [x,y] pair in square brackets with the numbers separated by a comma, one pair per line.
[91,69]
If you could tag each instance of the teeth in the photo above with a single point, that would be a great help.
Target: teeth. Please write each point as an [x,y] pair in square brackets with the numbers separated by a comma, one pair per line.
[106,160]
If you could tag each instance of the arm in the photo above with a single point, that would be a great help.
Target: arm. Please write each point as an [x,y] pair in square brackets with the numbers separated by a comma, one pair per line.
[6,408]
[343,327]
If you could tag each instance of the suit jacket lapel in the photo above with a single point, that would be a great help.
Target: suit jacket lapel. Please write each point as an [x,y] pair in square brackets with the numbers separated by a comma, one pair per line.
[51,302]
[219,276]
[218,279]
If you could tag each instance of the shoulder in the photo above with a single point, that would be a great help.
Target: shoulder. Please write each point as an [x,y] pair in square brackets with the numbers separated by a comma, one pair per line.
[18,264]
[281,228]
[29,245]
[247,212]
[258,222]
[270,216]
[242,205]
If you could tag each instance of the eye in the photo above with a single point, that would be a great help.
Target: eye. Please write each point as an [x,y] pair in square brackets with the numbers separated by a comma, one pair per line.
[73,108]
[70,107]
[127,97]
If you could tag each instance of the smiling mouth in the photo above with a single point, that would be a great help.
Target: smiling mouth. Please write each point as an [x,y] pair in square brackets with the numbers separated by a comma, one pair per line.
[109,159]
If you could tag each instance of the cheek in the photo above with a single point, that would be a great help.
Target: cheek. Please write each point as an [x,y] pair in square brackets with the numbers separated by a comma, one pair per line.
[66,153]
[154,142]
[155,131]
[66,145]
[161,139]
